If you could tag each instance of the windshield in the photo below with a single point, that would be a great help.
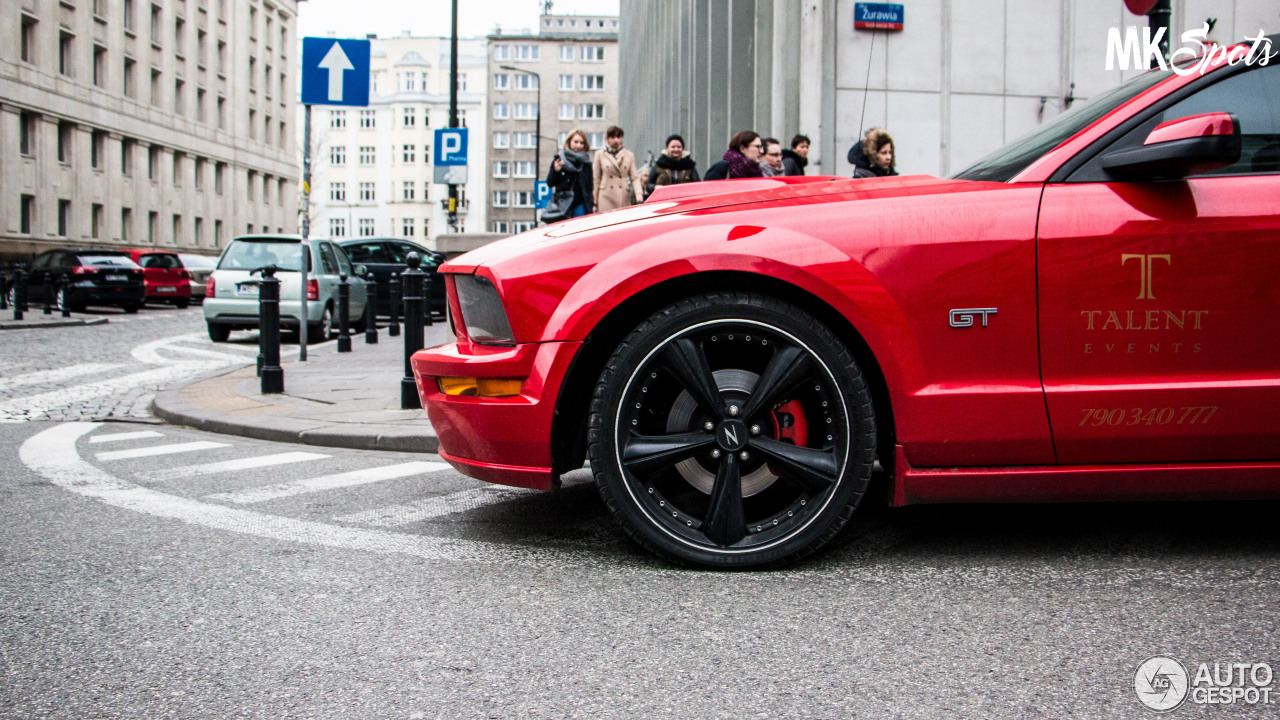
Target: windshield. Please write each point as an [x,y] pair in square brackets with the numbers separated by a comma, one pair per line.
[1008,161]
[243,255]
[106,260]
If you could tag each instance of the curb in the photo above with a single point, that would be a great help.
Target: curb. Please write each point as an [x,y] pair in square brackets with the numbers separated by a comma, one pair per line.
[169,406]
[60,322]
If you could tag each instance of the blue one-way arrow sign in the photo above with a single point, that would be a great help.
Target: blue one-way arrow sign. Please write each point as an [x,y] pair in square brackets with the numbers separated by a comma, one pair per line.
[335,72]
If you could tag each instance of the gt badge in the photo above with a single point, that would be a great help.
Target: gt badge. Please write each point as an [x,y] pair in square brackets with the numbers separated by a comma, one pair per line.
[963,317]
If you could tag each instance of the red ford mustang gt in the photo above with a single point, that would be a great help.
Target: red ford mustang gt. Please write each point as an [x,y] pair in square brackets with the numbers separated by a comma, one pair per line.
[1089,313]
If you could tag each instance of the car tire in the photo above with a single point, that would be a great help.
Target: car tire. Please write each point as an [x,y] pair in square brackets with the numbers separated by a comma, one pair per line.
[182,303]
[60,301]
[322,330]
[732,430]
[131,308]
[218,333]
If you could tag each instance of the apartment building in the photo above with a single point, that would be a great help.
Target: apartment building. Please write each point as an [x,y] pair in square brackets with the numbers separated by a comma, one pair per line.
[165,123]
[566,73]
[371,167]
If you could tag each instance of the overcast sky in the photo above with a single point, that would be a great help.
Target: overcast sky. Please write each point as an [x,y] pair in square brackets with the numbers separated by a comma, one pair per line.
[356,18]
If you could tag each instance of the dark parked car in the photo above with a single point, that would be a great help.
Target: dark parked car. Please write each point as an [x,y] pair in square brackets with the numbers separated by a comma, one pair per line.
[166,279]
[93,277]
[383,256]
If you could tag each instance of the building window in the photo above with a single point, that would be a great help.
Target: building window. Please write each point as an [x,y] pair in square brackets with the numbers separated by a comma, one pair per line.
[199,231]
[591,82]
[126,224]
[27,211]
[130,82]
[501,168]
[591,111]
[65,58]
[97,149]
[367,192]
[525,52]
[284,134]
[566,111]
[266,189]
[178,27]
[500,198]
[566,82]
[501,111]
[266,81]
[500,226]
[525,169]
[501,140]
[153,161]
[409,117]
[222,113]
[199,174]
[266,130]
[253,124]
[64,142]
[95,220]
[462,84]
[219,170]
[153,225]
[523,140]
[200,105]
[525,82]
[99,66]
[408,82]
[406,190]
[177,229]
[426,191]
[407,227]
[367,119]
[253,74]
[155,87]
[368,156]
[251,178]
[27,134]
[127,146]
[526,111]
[407,154]
[566,53]
[202,48]
[27,41]
[338,227]
[595,139]
[178,87]
[561,137]
[337,119]
[338,155]
[524,198]
[222,58]
[501,52]
[129,18]
[177,169]
[593,53]
[366,227]
[501,82]
[217,233]
[155,25]
[64,217]
[338,191]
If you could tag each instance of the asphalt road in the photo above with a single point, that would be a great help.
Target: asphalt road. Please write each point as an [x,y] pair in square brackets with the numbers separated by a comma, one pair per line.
[158,572]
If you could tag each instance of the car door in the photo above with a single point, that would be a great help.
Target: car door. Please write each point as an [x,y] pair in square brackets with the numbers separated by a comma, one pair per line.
[1159,300]
[358,294]
[40,267]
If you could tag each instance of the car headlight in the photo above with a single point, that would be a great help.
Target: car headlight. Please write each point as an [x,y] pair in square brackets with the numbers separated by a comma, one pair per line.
[482,312]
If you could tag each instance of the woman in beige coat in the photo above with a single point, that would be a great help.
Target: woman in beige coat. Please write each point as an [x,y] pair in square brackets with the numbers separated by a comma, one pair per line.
[613,169]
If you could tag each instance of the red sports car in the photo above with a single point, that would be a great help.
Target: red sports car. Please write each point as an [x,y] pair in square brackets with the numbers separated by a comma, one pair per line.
[1090,313]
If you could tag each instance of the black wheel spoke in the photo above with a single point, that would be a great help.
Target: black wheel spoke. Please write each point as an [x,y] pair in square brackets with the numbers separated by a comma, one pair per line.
[726,523]
[685,358]
[785,370]
[644,454]
[815,469]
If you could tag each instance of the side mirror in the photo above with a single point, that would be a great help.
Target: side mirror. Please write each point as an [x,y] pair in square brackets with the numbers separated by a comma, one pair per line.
[1180,148]
[361,271]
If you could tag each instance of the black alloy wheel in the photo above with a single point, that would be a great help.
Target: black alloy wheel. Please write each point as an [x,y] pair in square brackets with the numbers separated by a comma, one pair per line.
[732,430]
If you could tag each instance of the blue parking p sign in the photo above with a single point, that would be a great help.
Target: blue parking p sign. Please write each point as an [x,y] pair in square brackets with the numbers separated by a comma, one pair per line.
[541,194]
[451,147]
[335,72]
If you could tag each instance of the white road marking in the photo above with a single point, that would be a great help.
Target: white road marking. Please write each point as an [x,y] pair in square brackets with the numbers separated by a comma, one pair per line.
[433,507]
[50,376]
[329,482]
[52,454]
[248,463]
[156,450]
[211,354]
[120,437]
[16,409]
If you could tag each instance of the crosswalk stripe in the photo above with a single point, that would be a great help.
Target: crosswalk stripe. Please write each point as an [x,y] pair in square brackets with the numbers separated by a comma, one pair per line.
[41,377]
[328,482]
[160,450]
[120,437]
[432,507]
[249,463]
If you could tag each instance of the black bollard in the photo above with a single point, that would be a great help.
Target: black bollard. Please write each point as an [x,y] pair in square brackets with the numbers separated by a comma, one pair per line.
[393,290]
[48,293]
[371,311]
[413,306]
[426,298]
[19,291]
[64,295]
[344,309]
[269,336]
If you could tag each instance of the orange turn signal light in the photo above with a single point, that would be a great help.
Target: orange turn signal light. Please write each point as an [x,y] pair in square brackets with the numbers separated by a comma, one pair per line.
[479,387]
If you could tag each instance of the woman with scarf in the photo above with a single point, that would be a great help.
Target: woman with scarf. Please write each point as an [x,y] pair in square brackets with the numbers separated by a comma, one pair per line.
[741,160]
[614,170]
[672,167]
[571,172]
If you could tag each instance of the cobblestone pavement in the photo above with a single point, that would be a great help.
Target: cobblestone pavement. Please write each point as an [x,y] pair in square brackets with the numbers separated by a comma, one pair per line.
[109,371]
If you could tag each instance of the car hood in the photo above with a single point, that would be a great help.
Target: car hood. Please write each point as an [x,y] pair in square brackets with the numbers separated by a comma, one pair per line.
[694,198]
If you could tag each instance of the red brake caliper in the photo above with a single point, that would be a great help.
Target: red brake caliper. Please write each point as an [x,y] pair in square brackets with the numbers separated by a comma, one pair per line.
[789,423]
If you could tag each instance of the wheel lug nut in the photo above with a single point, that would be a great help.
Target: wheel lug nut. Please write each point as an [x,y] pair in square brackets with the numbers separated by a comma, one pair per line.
[715,454]
[733,410]
[708,426]
[755,429]
[745,455]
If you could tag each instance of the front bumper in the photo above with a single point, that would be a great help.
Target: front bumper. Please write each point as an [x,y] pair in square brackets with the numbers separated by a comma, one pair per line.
[504,440]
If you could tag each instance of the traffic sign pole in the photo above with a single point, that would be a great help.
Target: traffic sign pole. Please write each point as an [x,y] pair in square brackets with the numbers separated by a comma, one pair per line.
[453,111]
[306,231]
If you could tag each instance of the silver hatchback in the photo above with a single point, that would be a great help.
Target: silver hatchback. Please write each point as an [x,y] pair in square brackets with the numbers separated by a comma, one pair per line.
[232,304]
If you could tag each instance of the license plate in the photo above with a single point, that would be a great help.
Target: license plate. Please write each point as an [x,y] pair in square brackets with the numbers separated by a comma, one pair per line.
[242,289]
[116,278]
[166,289]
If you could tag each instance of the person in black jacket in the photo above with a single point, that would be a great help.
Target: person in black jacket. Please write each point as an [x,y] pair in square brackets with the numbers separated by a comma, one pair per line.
[571,170]
[877,148]
[795,159]
[856,158]
[672,167]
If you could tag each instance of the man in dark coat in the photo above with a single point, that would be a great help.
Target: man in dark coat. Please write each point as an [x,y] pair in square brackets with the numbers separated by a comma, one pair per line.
[795,159]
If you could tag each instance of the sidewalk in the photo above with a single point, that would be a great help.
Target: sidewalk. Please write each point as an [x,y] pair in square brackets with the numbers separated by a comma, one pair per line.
[349,400]
[35,318]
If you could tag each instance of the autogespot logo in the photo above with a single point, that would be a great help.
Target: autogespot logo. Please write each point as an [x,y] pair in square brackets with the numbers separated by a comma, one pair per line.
[1161,683]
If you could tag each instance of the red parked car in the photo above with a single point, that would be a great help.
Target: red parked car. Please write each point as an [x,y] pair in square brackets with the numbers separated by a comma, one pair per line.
[1089,313]
[167,280]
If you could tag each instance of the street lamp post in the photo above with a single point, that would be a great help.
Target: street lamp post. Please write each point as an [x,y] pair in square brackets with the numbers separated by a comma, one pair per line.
[537,136]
